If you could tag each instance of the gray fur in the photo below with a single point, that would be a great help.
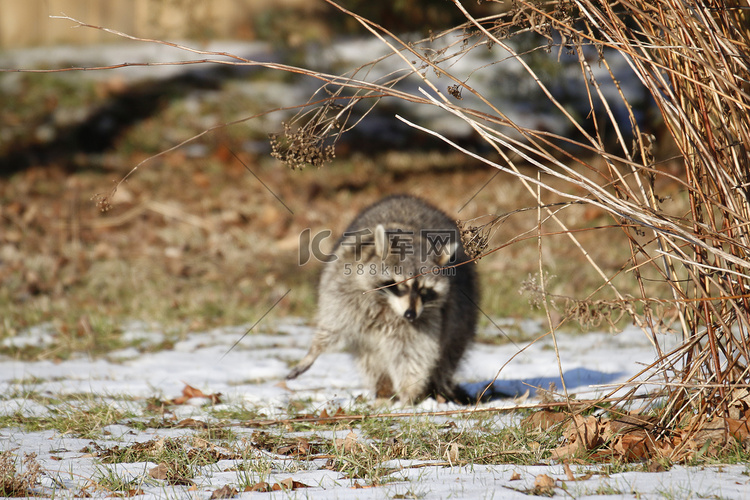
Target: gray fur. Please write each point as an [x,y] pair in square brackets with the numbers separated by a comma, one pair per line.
[408,338]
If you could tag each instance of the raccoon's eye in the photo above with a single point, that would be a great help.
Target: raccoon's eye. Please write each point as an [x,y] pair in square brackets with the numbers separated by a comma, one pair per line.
[427,294]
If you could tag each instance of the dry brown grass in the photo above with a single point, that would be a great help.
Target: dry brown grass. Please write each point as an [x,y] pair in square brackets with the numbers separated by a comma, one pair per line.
[15,483]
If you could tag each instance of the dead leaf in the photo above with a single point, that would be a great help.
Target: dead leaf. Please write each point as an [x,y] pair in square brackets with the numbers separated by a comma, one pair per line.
[543,485]
[568,472]
[655,466]
[665,447]
[566,451]
[543,419]
[349,443]
[225,491]
[634,445]
[582,434]
[261,486]
[738,428]
[710,437]
[586,429]
[192,424]
[739,407]
[159,472]
[283,385]
[201,443]
[626,423]
[452,453]
[515,476]
[301,446]
[289,484]
[189,392]
[173,473]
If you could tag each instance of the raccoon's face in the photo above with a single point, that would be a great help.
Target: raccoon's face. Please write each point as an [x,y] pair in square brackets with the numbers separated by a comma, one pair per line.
[411,281]
[409,299]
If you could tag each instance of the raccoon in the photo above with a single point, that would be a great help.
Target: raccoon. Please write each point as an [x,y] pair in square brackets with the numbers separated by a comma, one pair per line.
[386,295]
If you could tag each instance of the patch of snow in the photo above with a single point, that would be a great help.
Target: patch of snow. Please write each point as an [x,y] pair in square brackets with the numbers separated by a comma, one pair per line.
[252,375]
[36,336]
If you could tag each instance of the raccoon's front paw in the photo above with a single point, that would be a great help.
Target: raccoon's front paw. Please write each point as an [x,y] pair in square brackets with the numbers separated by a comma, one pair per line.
[298,370]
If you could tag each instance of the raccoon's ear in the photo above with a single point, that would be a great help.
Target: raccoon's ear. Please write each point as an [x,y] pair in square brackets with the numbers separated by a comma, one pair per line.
[354,242]
[381,241]
[448,253]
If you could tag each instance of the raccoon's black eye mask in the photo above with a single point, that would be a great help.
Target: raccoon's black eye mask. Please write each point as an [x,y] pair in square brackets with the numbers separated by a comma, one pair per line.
[390,286]
[427,294]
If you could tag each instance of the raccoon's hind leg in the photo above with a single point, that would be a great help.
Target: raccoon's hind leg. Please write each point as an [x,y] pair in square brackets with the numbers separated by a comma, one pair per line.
[321,340]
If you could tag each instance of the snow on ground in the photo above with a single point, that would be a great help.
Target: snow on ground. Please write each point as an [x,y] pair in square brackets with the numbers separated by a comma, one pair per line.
[249,376]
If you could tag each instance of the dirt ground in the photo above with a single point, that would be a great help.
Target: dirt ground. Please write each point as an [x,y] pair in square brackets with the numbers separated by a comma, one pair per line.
[209,234]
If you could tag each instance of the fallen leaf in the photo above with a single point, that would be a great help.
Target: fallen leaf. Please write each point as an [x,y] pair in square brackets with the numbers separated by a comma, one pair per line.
[189,392]
[173,473]
[627,423]
[582,434]
[200,442]
[301,446]
[738,428]
[566,451]
[543,485]
[289,484]
[585,429]
[159,472]
[739,407]
[201,180]
[543,419]
[349,443]
[515,476]
[655,466]
[635,445]
[665,447]
[710,437]
[568,472]
[452,453]
[261,486]
[192,424]
[283,385]
[225,491]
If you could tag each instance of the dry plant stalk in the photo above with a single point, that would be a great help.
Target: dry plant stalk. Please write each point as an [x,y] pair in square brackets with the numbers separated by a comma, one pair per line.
[692,58]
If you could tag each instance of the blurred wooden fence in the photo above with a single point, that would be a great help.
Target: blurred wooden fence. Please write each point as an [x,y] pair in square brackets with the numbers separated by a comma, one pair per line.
[27,23]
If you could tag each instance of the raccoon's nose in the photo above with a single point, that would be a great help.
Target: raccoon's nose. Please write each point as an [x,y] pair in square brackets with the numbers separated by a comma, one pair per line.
[410,314]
